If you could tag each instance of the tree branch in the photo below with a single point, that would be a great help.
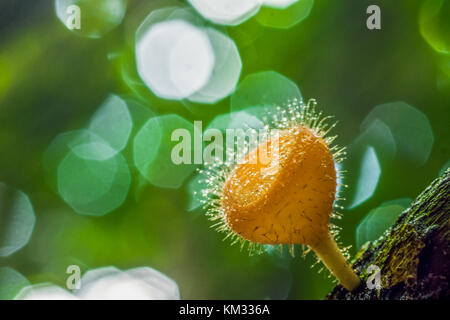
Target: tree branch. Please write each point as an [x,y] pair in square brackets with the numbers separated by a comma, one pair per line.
[413,255]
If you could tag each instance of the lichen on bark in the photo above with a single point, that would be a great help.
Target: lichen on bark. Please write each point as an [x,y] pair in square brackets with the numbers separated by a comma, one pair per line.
[413,255]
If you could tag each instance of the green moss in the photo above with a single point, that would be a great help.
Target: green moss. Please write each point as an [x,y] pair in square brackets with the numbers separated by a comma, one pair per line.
[400,250]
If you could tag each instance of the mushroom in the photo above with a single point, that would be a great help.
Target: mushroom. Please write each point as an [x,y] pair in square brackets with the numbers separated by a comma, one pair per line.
[284,191]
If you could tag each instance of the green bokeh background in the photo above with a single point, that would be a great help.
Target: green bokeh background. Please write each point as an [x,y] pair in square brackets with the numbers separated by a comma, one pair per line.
[52,81]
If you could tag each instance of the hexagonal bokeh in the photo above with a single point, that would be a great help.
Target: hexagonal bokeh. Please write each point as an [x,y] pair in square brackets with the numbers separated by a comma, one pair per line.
[91,18]
[112,122]
[139,114]
[109,283]
[286,15]
[194,189]
[154,17]
[165,149]
[410,129]
[167,14]
[434,24]
[267,88]
[368,177]
[226,72]
[84,143]
[378,135]
[86,167]
[138,283]
[378,220]
[229,12]
[146,145]
[11,282]
[106,135]
[174,58]
[93,187]
[17,220]
[178,57]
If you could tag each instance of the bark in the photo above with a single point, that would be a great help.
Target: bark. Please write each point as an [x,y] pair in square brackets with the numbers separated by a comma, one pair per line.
[413,255]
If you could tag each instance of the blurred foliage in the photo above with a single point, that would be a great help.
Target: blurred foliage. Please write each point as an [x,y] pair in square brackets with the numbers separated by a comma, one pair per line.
[52,81]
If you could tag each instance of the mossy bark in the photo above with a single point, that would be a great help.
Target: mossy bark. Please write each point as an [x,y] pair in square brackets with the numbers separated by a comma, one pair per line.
[413,256]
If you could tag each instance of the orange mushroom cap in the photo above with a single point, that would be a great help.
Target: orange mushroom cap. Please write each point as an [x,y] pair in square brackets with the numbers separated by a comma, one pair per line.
[287,198]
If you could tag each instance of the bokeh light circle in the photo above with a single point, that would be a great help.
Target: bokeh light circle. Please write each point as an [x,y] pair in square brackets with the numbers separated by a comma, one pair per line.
[266,88]
[229,12]
[136,284]
[368,177]
[287,15]
[226,72]
[434,22]
[154,148]
[93,187]
[378,220]
[17,220]
[11,282]
[378,135]
[174,58]
[410,129]
[82,142]
[112,122]
[44,291]
[191,62]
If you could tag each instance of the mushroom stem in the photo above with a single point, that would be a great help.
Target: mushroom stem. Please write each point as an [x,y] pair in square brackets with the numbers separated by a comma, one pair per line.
[328,251]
